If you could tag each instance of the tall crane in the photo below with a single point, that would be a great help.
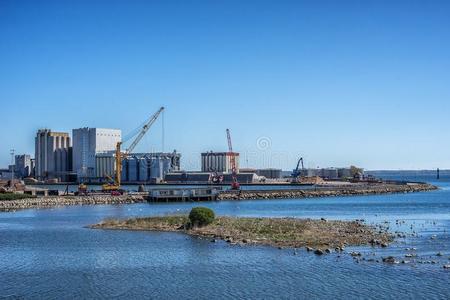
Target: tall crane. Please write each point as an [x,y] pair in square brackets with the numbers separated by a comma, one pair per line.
[120,155]
[234,182]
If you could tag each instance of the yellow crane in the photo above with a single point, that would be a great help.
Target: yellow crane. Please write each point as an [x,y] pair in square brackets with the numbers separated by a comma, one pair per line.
[111,187]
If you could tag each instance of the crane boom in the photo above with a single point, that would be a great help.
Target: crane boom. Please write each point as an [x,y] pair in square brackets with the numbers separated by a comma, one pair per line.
[296,173]
[230,146]
[120,155]
[234,184]
[144,130]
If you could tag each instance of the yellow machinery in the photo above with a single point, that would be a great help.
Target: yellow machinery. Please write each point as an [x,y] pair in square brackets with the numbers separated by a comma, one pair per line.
[82,189]
[110,187]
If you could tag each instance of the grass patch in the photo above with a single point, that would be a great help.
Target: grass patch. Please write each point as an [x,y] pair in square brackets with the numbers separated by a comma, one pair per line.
[286,232]
[13,196]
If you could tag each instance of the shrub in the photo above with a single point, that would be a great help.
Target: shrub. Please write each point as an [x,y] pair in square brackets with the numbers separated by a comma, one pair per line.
[12,196]
[201,216]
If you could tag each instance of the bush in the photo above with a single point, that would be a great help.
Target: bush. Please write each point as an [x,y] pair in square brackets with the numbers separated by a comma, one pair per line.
[12,196]
[201,216]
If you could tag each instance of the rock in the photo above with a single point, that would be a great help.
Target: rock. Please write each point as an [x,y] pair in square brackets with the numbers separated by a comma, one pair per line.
[405,261]
[384,245]
[318,252]
[245,241]
[328,250]
[309,249]
[389,260]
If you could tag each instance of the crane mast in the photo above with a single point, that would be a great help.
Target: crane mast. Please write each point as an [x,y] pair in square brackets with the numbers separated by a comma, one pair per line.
[234,182]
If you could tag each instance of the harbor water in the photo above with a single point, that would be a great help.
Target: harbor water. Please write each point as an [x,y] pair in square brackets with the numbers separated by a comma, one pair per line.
[49,253]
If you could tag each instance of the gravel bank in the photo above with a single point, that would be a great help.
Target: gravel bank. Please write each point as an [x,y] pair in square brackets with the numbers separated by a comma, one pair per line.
[374,189]
[47,202]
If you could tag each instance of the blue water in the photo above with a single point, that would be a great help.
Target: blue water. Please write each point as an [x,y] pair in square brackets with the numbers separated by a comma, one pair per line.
[48,253]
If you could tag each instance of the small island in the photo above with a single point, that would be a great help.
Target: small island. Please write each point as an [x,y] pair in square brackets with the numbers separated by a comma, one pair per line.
[322,235]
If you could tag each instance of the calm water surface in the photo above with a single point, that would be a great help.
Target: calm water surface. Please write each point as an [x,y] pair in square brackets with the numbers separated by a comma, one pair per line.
[49,253]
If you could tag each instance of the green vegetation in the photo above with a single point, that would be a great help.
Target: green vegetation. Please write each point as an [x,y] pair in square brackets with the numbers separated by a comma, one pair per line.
[280,232]
[201,216]
[13,196]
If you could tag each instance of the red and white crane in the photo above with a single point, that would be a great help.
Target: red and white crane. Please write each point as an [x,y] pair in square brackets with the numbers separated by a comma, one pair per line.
[234,182]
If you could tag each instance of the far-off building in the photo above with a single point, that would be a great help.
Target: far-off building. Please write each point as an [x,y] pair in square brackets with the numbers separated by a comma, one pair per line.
[23,166]
[87,144]
[269,173]
[149,167]
[52,155]
[219,161]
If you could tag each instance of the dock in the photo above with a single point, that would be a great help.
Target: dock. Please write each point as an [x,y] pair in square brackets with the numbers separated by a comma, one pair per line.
[184,195]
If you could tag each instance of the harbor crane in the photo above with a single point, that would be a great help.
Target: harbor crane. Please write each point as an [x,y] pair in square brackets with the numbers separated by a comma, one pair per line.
[234,182]
[115,187]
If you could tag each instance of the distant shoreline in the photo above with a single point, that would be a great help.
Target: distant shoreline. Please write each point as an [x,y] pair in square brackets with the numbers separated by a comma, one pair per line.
[103,199]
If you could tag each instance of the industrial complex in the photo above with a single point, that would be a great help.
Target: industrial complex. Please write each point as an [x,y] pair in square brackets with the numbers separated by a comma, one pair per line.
[95,156]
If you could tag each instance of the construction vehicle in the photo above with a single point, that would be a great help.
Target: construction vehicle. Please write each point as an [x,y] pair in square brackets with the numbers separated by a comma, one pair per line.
[82,189]
[114,187]
[297,172]
[234,182]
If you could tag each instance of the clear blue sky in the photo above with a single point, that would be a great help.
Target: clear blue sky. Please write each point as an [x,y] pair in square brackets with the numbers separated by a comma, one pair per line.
[338,82]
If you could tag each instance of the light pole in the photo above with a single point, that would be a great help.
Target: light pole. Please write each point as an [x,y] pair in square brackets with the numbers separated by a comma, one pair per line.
[12,167]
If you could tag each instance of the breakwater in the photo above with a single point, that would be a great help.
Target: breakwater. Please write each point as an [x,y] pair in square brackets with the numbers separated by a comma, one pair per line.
[52,201]
[370,189]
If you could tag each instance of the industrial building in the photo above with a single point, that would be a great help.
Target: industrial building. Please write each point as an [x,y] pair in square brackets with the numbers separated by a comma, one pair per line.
[330,173]
[219,161]
[149,167]
[207,178]
[269,173]
[22,166]
[88,143]
[326,173]
[53,155]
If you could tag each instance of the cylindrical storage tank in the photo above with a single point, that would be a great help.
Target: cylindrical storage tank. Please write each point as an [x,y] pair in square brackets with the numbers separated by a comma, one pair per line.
[154,167]
[143,173]
[166,166]
[124,173]
[132,169]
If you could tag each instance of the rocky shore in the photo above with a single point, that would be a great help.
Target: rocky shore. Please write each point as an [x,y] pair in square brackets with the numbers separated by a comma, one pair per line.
[52,201]
[370,189]
[320,236]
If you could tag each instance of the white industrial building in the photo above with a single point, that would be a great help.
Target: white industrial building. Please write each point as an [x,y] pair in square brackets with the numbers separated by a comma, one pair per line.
[88,143]
[22,166]
[219,161]
[52,154]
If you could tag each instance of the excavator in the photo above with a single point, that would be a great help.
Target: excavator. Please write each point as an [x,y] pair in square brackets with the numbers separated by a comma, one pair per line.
[114,187]
[297,172]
